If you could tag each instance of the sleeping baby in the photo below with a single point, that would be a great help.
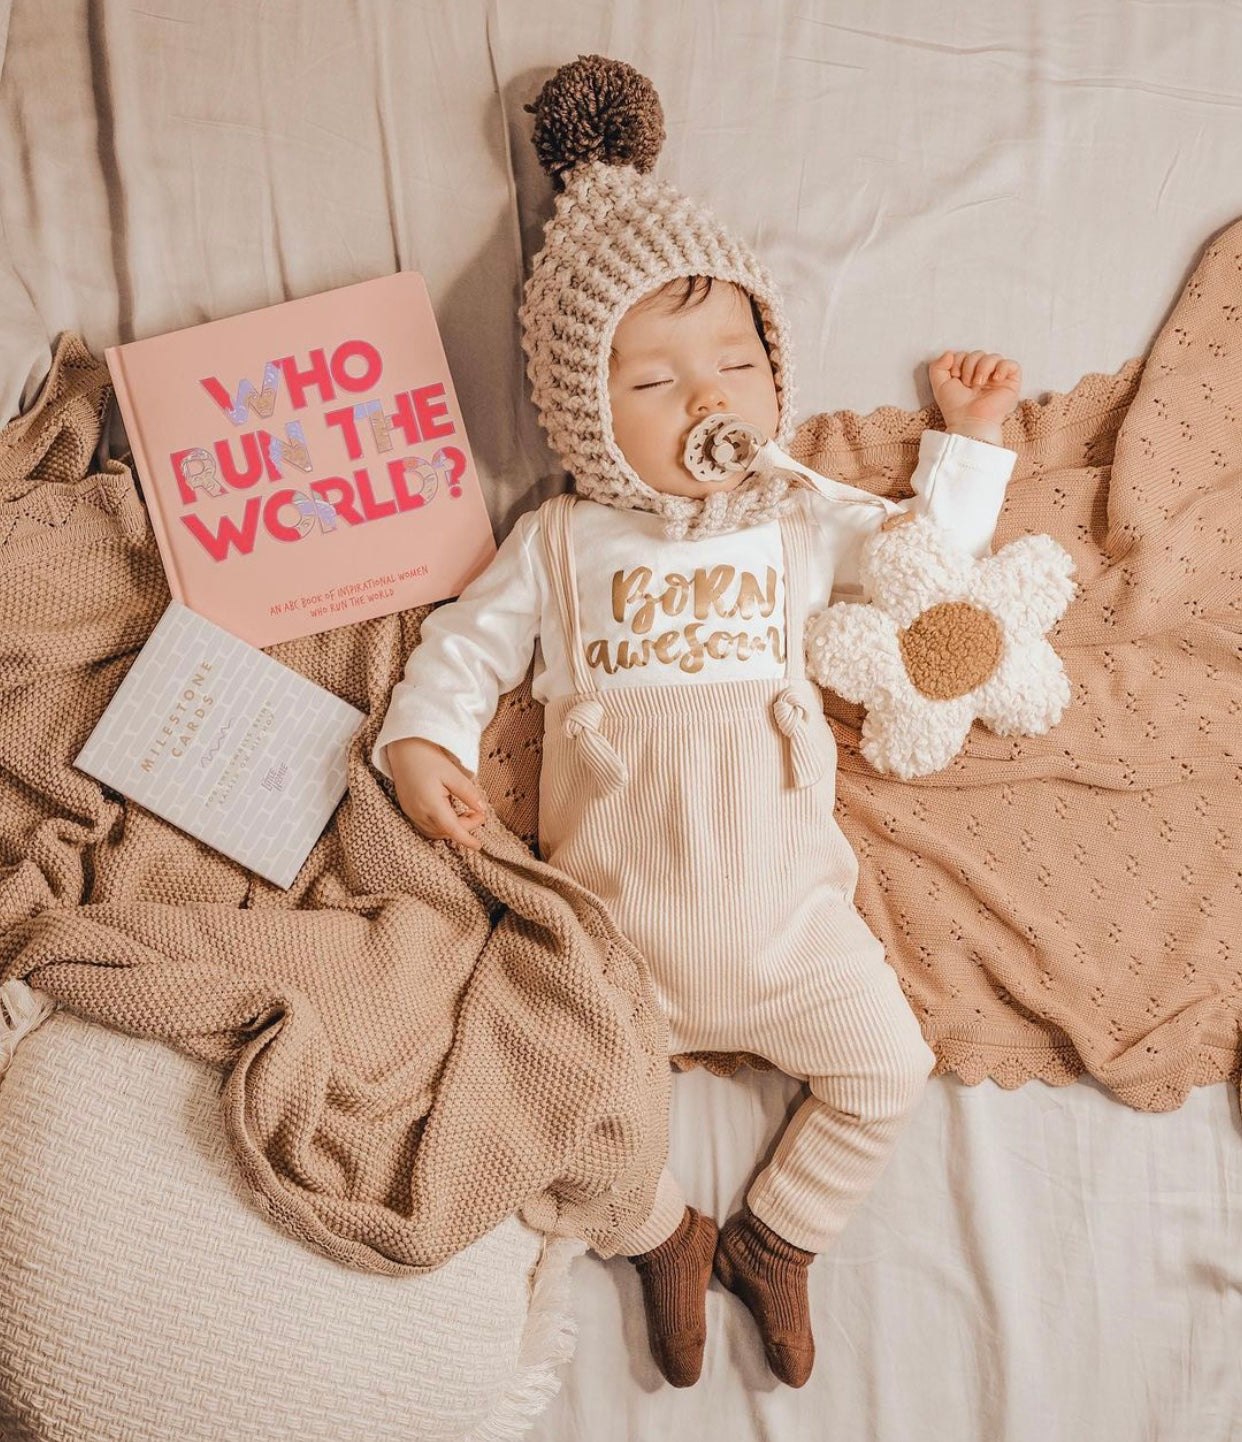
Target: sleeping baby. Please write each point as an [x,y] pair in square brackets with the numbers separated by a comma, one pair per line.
[688,771]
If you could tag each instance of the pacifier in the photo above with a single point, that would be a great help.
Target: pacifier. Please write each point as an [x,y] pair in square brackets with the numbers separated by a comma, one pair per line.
[722,445]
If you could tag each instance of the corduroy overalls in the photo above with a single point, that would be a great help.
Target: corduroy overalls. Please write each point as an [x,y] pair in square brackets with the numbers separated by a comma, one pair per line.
[701,814]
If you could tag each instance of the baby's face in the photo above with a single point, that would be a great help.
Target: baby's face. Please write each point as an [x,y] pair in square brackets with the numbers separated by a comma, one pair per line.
[670,368]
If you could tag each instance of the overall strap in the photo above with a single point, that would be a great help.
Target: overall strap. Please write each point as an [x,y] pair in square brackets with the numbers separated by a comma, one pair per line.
[796,543]
[791,706]
[581,721]
[558,545]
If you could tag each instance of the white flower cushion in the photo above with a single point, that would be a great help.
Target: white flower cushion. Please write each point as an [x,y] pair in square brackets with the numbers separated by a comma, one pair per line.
[945,638]
[143,1296]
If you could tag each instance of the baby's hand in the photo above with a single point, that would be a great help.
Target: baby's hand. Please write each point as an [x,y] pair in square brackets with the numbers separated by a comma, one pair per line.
[427,779]
[974,385]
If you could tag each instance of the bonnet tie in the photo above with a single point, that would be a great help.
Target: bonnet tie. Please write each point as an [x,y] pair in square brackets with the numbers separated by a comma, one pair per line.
[581,723]
[790,708]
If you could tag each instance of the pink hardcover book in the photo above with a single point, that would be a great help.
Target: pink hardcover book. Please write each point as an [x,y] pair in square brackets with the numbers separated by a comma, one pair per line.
[305,465]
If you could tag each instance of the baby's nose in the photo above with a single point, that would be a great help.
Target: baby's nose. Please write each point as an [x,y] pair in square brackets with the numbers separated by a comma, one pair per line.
[711,399]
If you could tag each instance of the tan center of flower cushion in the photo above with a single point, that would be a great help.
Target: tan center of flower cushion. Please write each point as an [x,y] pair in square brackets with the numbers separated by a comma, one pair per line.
[950,649]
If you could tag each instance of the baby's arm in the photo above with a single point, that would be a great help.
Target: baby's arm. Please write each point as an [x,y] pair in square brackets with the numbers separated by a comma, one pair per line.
[961,483]
[960,478]
[471,651]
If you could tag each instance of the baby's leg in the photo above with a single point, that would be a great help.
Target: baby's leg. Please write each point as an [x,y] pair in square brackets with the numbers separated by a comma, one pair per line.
[875,1068]
[672,1253]
[861,1050]
[663,1219]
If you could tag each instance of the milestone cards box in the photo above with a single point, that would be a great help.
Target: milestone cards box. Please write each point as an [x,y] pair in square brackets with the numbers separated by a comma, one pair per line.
[226,744]
[305,465]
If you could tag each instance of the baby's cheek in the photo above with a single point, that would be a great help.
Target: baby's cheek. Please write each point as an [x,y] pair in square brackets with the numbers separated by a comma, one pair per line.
[631,442]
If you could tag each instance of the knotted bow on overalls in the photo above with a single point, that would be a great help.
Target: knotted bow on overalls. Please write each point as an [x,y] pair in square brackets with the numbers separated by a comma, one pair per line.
[701,814]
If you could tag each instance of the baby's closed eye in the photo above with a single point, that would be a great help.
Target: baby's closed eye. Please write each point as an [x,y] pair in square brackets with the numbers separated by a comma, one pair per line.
[649,385]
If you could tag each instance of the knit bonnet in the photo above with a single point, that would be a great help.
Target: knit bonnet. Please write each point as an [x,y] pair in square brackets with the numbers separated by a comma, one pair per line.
[617,234]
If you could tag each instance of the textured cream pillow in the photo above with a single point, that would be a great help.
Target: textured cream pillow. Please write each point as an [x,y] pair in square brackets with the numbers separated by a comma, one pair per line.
[143,1296]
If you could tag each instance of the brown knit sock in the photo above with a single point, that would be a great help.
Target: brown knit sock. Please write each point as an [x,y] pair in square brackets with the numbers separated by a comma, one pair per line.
[675,1276]
[769,1275]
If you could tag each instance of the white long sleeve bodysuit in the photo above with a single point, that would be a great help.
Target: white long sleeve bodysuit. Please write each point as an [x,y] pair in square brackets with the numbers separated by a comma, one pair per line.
[688,780]
[479,646]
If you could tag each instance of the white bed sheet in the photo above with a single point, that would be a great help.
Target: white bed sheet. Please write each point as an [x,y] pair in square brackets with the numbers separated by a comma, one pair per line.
[1032,178]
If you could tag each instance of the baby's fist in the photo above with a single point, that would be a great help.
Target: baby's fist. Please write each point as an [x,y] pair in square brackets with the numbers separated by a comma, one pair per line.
[430,785]
[974,385]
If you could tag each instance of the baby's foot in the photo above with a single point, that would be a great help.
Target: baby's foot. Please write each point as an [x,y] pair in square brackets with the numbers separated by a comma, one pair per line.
[769,1275]
[675,1276]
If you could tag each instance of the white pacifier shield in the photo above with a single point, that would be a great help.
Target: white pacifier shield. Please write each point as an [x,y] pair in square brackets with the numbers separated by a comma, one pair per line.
[721,446]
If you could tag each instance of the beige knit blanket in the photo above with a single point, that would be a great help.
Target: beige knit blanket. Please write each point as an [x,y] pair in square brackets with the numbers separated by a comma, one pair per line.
[418,1041]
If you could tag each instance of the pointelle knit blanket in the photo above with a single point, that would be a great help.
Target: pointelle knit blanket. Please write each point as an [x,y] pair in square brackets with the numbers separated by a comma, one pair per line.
[1073,902]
